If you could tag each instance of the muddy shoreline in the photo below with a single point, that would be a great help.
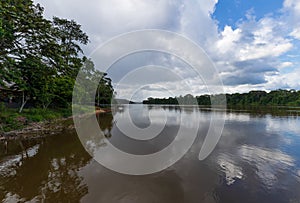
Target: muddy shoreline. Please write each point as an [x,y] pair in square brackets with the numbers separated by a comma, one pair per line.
[40,129]
[44,128]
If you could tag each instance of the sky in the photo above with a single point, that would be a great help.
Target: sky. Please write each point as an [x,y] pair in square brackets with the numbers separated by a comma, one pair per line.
[254,44]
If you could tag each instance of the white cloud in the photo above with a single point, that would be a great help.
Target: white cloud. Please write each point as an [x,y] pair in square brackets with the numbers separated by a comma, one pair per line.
[288,80]
[196,21]
[296,33]
[292,8]
[247,57]
[103,19]
[252,40]
[261,51]
[228,40]
[285,64]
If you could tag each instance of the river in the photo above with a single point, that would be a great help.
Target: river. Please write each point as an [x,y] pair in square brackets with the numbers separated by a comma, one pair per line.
[257,159]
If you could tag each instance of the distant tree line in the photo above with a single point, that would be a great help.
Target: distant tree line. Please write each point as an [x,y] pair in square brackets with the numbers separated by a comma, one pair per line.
[41,58]
[274,98]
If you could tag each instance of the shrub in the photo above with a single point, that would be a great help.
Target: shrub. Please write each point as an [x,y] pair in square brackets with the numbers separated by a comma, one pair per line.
[2,107]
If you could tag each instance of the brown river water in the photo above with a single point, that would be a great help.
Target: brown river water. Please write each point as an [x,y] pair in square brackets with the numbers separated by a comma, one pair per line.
[256,160]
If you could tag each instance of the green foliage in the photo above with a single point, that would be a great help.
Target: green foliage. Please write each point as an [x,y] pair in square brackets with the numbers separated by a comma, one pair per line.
[253,98]
[2,107]
[42,57]
[89,80]
[8,121]
[12,120]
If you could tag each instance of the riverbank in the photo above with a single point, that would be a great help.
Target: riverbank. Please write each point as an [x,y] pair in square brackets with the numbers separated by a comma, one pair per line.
[40,129]
[11,119]
[36,122]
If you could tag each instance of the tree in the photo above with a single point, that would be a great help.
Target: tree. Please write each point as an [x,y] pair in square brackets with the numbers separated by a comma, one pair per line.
[42,58]
[69,37]
[36,53]
[24,34]
[253,98]
[91,79]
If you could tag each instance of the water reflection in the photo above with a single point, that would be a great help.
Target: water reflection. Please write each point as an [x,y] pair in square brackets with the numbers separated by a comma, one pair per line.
[269,163]
[48,173]
[230,168]
[256,160]
[107,186]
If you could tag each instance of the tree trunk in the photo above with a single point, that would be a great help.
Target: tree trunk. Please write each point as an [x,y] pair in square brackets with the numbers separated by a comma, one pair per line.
[24,101]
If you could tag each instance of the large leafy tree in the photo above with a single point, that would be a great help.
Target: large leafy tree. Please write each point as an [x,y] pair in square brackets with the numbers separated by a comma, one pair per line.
[22,31]
[24,36]
[39,56]
[69,37]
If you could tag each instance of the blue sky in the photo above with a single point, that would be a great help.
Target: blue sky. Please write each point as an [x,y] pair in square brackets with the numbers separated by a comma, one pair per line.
[254,44]
[229,12]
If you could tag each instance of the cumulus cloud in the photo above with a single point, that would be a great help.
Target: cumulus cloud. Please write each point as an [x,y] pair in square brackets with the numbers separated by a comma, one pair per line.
[251,51]
[103,19]
[292,7]
[288,80]
[250,55]
[285,65]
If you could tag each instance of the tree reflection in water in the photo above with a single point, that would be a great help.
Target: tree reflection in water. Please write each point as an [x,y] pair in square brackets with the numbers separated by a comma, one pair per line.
[49,168]
[51,174]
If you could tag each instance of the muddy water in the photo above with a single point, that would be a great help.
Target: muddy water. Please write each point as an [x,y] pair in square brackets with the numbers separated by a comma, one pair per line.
[256,160]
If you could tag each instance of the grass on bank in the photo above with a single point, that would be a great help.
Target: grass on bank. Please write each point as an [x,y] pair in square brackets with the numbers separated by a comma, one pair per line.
[11,119]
